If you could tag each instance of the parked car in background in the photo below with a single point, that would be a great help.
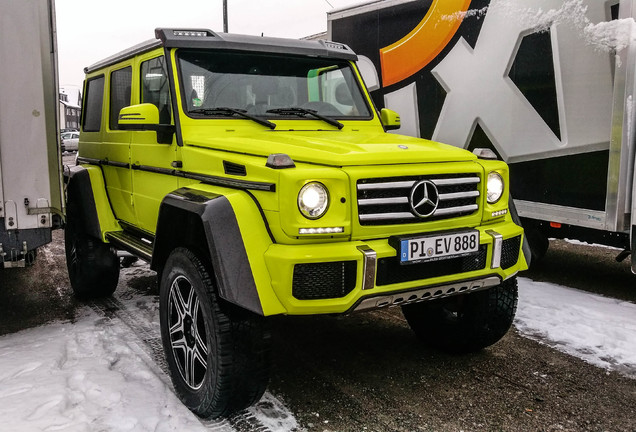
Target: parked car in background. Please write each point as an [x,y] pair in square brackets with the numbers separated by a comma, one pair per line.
[70,141]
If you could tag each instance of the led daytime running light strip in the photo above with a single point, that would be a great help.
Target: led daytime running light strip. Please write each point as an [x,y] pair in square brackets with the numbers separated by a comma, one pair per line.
[190,33]
[328,230]
[500,213]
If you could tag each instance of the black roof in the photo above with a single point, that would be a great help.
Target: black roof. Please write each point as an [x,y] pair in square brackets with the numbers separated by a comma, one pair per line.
[204,38]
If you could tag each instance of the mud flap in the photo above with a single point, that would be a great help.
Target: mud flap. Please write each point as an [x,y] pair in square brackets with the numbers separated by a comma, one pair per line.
[525,247]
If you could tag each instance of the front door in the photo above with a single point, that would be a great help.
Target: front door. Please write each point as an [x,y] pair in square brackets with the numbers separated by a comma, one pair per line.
[148,157]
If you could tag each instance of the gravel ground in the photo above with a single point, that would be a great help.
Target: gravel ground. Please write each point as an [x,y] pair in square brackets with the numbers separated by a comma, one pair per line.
[367,372]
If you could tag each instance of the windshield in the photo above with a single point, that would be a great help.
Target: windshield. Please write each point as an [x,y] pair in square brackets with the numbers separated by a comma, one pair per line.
[268,85]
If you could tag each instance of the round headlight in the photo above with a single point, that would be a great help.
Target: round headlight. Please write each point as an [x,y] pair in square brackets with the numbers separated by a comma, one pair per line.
[495,187]
[313,200]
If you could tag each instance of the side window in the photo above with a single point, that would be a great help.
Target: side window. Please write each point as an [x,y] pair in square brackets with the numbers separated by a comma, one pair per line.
[334,89]
[93,101]
[119,94]
[155,88]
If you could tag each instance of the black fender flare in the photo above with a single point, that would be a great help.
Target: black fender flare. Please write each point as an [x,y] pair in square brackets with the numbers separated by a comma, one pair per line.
[206,222]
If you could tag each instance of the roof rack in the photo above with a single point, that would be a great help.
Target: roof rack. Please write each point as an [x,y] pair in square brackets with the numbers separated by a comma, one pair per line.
[207,39]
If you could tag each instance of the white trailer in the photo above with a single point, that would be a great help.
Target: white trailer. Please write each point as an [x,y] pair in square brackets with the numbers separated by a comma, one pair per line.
[31,191]
[548,85]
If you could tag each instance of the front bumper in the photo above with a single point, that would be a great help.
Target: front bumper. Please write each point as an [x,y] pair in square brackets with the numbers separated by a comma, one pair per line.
[359,275]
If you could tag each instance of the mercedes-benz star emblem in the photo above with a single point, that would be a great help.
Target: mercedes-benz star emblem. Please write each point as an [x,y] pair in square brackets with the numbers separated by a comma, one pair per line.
[424,198]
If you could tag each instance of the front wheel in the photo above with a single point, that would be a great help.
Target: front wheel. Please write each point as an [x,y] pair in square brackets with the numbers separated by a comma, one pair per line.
[218,354]
[465,323]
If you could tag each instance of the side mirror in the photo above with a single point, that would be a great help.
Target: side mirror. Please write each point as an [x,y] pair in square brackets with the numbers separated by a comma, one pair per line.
[390,119]
[136,117]
[145,117]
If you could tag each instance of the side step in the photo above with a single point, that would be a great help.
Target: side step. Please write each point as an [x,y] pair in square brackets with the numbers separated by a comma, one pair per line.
[138,246]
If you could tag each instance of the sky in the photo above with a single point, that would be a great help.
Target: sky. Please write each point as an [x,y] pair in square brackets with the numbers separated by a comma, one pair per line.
[88,31]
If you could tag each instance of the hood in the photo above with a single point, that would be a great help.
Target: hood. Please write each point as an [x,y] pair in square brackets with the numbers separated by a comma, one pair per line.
[335,148]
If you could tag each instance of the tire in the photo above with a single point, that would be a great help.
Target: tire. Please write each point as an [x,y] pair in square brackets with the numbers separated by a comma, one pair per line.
[465,323]
[93,266]
[538,242]
[536,239]
[218,354]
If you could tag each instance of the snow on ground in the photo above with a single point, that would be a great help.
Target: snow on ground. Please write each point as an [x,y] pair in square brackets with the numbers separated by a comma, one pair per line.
[94,374]
[597,329]
[84,376]
[97,374]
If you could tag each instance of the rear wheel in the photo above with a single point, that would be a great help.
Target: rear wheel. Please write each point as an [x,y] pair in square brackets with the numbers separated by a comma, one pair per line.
[539,244]
[93,266]
[536,239]
[218,354]
[465,323]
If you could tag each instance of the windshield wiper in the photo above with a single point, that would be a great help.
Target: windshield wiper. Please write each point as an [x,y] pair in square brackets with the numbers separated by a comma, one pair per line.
[232,112]
[303,112]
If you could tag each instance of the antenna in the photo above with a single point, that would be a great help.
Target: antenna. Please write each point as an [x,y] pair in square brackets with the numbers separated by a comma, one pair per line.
[225,16]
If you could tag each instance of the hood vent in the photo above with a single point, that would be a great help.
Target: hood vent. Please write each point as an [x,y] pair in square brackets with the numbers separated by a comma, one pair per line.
[234,169]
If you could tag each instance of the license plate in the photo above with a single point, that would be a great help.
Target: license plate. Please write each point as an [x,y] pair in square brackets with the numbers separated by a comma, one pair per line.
[438,246]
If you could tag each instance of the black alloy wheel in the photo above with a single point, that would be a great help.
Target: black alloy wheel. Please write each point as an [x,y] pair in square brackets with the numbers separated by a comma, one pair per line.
[218,354]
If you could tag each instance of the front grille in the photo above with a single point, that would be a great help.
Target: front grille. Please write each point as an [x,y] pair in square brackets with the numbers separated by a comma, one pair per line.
[390,271]
[323,280]
[510,252]
[383,201]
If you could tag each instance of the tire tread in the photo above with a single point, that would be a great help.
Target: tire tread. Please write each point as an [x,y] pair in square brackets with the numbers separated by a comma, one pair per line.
[481,320]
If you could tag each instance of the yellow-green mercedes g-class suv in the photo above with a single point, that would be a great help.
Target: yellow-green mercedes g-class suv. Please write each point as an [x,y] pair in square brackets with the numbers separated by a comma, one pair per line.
[257,178]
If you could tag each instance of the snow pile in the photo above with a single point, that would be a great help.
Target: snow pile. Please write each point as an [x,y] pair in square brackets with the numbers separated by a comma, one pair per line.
[92,376]
[104,373]
[599,330]
[273,415]
[470,13]
[610,36]
[569,12]
[84,376]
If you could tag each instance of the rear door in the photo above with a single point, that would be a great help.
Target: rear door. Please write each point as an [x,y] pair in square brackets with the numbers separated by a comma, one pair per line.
[116,143]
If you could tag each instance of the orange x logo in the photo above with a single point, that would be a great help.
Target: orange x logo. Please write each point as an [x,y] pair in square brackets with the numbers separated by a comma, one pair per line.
[415,50]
